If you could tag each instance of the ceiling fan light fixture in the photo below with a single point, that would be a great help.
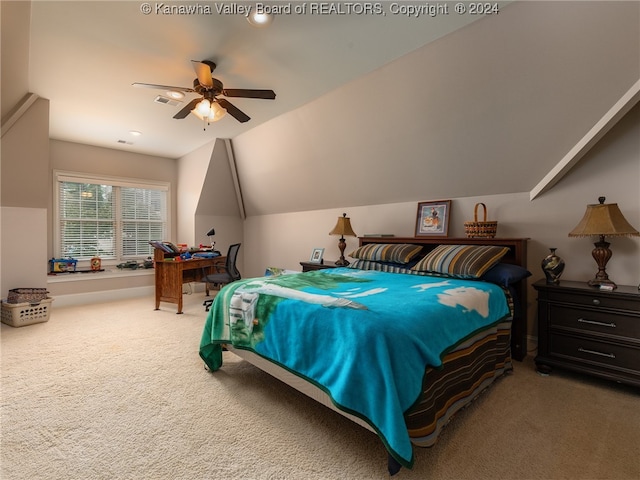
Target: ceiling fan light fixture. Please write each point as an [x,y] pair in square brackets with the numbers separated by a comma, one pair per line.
[259,19]
[204,107]
[217,112]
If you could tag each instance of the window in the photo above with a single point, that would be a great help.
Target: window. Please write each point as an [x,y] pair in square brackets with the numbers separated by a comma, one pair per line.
[108,217]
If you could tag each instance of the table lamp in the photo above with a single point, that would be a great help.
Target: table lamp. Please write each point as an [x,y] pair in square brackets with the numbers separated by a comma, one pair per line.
[603,219]
[210,234]
[342,228]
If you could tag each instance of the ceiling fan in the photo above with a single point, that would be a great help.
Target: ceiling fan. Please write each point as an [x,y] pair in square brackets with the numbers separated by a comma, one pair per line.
[210,107]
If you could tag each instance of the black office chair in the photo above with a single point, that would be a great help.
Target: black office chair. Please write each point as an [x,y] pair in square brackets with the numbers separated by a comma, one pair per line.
[226,273]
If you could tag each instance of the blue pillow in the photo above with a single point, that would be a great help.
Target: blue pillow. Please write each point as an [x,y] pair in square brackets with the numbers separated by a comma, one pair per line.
[505,274]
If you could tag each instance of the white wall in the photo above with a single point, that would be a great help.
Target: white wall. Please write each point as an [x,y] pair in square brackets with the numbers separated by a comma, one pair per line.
[24,178]
[24,248]
[192,172]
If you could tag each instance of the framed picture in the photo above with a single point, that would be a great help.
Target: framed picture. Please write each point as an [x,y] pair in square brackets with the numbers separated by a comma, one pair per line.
[316,255]
[433,218]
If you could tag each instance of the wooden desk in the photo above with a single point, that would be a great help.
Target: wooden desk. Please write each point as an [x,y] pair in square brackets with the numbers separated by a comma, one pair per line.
[171,274]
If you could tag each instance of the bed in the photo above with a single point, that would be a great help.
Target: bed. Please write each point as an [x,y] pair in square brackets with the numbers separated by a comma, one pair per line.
[400,340]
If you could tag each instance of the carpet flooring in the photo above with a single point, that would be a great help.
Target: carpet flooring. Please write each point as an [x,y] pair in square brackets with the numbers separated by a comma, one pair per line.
[117,391]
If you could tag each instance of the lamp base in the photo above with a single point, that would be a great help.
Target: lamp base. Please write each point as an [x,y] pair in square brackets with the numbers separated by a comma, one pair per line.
[601,254]
[599,283]
[341,262]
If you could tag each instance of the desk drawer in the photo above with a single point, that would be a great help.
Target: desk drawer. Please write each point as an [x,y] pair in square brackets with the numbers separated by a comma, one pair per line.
[595,353]
[594,320]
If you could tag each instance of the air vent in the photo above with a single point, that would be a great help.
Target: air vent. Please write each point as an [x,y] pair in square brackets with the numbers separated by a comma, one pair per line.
[124,142]
[166,100]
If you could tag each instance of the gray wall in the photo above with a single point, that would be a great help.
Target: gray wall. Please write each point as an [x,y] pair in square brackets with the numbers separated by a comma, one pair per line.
[488,109]
[612,169]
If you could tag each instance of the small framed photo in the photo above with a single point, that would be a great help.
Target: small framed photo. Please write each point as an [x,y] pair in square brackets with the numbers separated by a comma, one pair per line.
[316,255]
[433,219]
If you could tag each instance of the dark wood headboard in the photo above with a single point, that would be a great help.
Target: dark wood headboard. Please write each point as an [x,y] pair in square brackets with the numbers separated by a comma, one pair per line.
[517,256]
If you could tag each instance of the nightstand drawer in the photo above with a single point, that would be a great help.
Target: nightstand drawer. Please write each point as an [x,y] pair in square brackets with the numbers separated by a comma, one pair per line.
[595,353]
[591,331]
[597,299]
[594,320]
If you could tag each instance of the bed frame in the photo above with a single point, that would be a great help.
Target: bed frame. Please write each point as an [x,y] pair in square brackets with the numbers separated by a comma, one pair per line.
[517,255]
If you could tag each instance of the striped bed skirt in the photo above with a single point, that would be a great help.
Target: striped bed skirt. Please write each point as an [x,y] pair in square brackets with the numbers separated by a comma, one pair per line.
[466,371]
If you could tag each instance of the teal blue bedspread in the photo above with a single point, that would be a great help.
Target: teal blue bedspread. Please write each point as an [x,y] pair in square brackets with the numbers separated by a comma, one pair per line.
[364,337]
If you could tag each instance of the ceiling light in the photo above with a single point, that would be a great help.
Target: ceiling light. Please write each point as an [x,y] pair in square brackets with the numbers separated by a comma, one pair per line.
[216,113]
[135,133]
[260,19]
[175,94]
[203,107]
[213,112]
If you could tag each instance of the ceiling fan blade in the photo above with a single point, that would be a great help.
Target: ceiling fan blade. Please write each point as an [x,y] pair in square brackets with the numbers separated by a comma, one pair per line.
[232,110]
[203,72]
[162,87]
[187,109]
[248,93]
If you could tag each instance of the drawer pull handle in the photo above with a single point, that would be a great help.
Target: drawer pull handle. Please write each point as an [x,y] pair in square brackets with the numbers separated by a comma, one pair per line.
[596,301]
[595,322]
[593,352]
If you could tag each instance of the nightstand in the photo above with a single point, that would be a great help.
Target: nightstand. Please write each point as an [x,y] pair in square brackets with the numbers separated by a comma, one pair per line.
[589,330]
[309,267]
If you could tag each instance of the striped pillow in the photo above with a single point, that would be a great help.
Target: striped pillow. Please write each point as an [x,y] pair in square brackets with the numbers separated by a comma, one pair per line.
[384,252]
[380,266]
[461,261]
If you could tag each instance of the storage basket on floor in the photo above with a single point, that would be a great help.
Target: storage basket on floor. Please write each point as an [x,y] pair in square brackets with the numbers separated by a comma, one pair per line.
[480,229]
[26,295]
[21,314]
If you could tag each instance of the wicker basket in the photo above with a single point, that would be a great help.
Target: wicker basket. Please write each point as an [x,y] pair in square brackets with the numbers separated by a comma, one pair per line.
[21,314]
[481,229]
[26,295]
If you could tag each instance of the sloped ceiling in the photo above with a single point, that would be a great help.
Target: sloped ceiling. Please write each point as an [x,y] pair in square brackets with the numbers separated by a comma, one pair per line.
[84,56]
[488,109]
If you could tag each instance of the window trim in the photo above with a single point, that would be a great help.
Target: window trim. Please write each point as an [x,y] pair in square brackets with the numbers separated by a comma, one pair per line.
[80,177]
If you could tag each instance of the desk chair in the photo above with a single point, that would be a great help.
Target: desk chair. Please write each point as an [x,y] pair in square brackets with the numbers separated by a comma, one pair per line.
[226,273]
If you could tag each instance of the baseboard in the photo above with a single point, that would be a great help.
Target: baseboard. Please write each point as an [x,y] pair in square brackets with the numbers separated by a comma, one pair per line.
[102,296]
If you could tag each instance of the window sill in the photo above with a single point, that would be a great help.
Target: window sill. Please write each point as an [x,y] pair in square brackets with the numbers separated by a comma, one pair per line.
[115,273]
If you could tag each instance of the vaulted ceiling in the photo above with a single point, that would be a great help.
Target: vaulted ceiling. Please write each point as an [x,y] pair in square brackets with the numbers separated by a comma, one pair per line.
[85,55]
[488,109]
[369,108]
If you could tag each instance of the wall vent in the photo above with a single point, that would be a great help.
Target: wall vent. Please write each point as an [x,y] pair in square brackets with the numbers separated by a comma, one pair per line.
[166,100]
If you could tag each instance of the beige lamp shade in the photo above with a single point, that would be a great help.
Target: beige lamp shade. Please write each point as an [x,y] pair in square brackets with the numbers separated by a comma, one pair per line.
[603,219]
[343,227]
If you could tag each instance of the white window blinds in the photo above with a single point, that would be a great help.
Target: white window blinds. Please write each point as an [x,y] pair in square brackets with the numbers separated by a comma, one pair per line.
[143,219]
[109,218]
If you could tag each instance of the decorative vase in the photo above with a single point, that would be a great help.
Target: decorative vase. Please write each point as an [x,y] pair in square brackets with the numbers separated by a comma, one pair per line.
[552,266]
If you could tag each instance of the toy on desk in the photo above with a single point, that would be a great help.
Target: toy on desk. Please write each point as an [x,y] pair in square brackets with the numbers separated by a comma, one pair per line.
[96,264]
[61,265]
[209,254]
[133,265]
[129,264]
